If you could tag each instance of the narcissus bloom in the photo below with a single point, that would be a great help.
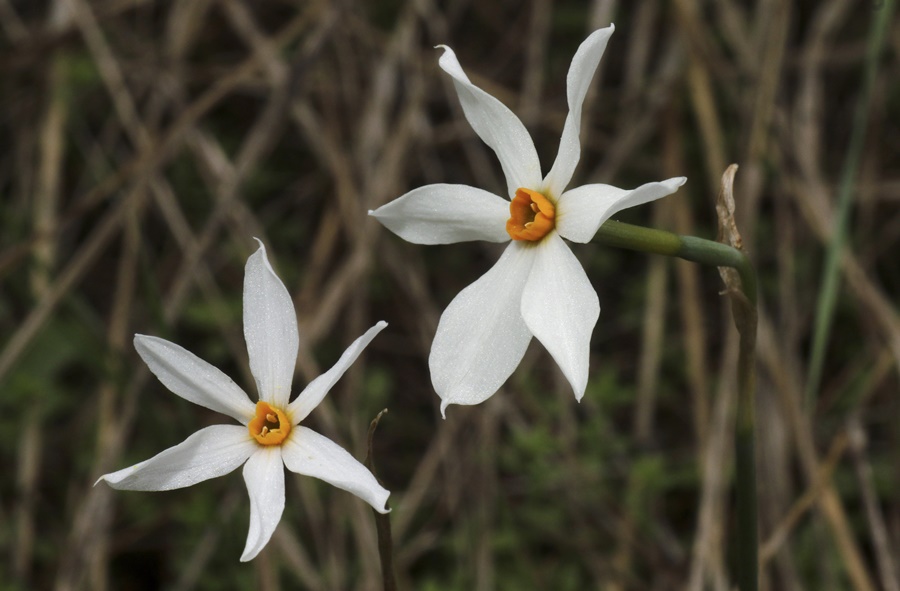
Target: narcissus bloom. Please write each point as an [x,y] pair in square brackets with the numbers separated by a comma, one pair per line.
[270,437]
[537,288]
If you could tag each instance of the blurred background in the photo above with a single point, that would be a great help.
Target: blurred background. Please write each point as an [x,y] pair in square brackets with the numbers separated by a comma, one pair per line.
[144,144]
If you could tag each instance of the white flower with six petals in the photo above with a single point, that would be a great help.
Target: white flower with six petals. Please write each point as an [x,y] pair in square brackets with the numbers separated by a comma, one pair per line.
[537,287]
[270,437]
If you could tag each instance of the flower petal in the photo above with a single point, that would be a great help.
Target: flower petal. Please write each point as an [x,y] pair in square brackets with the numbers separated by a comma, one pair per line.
[443,214]
[270,328]
[264,476]
[313,394]
[581,211]
[481,336]
[311,454]
[193,379]
[560,307]
[497,126]
[578,81]
[210,452]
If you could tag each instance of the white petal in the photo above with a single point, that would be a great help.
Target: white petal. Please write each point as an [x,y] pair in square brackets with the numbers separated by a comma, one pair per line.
[561,308]
[264,476]
[306,452]
[313,394]
[581,211]
[443,214]
[210,452]
[270,328]
[581,72]
[193,379]
[481,337]
[497,126]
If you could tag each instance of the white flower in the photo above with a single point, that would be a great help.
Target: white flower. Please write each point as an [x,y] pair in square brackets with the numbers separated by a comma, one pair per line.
[537,288]
[270,437]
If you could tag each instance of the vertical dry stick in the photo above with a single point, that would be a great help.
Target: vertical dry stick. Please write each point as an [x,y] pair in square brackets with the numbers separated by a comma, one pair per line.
[117,340]
[28,462]
[743,308]
[707,556]
[776,478]
[702,96]
[829,502]
[884,555]
[486,496]
[688,281]
[601,14]
[46,204]
[535,62]
[382,520]
[778,471]
[96,553]
[638,56]
[651,341]
[645,404]
[90,517]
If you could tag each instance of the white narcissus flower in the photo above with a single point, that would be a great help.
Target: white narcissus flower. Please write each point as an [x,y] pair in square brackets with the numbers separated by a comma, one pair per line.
[537,287]
[270,437]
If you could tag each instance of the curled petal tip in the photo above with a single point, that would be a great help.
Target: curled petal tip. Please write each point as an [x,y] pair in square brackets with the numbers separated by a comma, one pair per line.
[444,405]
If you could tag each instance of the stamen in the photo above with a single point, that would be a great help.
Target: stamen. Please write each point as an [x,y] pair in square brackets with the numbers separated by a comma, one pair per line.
[532,216]
[270,425]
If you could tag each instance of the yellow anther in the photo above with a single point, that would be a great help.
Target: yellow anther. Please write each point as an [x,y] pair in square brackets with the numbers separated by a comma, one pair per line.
[272,418]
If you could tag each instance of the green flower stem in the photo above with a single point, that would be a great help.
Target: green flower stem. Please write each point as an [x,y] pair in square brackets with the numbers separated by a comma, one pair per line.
[743,293]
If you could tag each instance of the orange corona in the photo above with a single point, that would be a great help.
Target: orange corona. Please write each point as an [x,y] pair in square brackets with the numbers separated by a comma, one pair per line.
[270,426]
[531,216]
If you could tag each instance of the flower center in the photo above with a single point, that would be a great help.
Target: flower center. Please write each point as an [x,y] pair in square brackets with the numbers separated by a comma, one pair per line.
[531,216]
[270,426]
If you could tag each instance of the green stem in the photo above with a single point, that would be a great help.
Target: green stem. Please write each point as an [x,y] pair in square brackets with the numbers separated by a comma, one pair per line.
[708,252]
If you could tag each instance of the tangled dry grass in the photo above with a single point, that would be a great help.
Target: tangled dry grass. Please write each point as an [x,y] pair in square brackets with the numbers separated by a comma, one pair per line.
[146,142]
